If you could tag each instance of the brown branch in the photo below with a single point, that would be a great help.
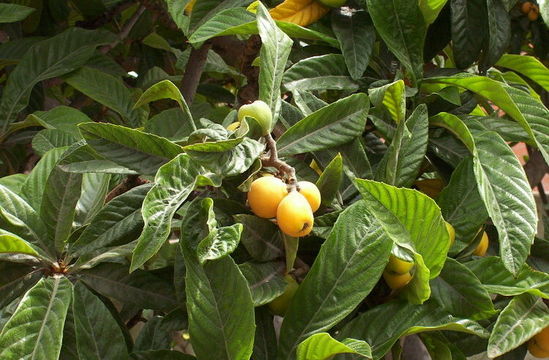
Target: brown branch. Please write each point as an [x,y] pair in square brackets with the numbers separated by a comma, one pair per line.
[193,71]
[536,167]
[125,30]
[250,92]
[273,161]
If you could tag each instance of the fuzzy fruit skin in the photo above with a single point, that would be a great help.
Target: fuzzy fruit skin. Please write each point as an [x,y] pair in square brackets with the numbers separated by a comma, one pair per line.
[333,3]
[537,351]
[542,339]
[294,215]
[280,305]
[398,266]
[482,246]
[311,193]
[260,111]
[534,13]
[451,232]
[265,195]
[526,7]
[396,281]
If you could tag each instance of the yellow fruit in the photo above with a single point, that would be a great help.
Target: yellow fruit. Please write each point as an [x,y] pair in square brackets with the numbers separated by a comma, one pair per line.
[536,350]
[300,12]
[534,13]
[451,232]
[396,281]
[542,339]
[482,246]
[294,215]
[280,305]
[189,7]
[430,187]
[260,111]
[399,266]
[526,7]
[233,126]
[311,193]
[265,195]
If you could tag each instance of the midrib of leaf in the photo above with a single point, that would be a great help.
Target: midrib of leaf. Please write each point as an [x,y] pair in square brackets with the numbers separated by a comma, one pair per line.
[516,324]
[464,299]
[294,346]
[50,304]
[45,248]
[399,27]
[461,202]
[93,336]
[266,279]
[267,243]
[64,205]
[6,285]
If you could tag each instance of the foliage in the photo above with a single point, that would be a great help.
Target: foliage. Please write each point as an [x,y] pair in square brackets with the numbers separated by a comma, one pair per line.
[124,228]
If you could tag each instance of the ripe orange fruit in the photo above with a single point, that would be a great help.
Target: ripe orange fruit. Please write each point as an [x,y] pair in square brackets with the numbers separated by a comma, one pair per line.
[294,215]
[482,246]
[396,281]
[533,14]
[399,266]
[265,195]
[526,7]
[538,346]
[311,193]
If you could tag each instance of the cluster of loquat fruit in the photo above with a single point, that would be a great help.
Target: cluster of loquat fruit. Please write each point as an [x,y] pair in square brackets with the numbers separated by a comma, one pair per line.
[538,346]
[269,198]
[530,9]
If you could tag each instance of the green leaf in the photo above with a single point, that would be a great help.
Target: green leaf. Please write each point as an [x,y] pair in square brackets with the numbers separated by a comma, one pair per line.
[525,316]
[430,9]
[261,238]
[460,292]
[206,9]
[173,184]
[356,34]
[141,288]
[172,124]
[67,51]
[49,139]
[14,182]
[468,30]
[406,153]
[498,173]
[161,355]
[57,209]
[117,223]
[498,280]
[401,26]
[393,98]
[265,336]
[329,181]
[13,244]
[218,329]
[219,243]
[108,90]
[275,49]
[398,319]
[131,148]
[462,206]
[349,264]
[157,333]
[322,346]
[528,66]
[264,280]
[15,280]
[98,335]
[18,217]
[423,233]
[324,72]
[10,13]
[61,118]
[35,331]
[499,29]
[95,188]
[166,90]
[33,188]
[335,124]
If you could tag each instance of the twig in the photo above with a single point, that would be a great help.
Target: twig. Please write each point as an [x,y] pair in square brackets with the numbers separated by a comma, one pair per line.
[273,161]
[193,71]
[125,30]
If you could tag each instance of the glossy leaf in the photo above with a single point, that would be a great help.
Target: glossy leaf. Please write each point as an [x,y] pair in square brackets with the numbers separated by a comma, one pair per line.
[173,184]
[95,188]
[468,29]
[261,238]
[108,90]
[49,139]
[264,280]
[430,9]
[498,280]
[401,25]
[499,28]
[356,35]
[140,288]
[275,49]
[57,209]
[399,319]
[322,346]
[324,72]
[134,149]
[329,181]
[67,51]
[348,266]
[528,66]
[35,331]
[335,124]
[393,98]
[525,316]
[13,244]
[206,9]
[15,280]
[460,292]
[265,336]
[10,13]
[219,243]
[98,335]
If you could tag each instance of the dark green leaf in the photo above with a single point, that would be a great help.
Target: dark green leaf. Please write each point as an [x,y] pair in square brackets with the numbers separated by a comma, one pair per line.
[265,336]
[319,73]
[468,30]
[329,181]
[499,28]
[12,12]
[261,238]
[264,280]
[322,346]
[15,279]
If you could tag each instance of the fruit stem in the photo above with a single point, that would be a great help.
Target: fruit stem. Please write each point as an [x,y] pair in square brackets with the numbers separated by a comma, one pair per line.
[273,161]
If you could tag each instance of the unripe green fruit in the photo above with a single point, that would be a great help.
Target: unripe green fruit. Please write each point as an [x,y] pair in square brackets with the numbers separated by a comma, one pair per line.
[279,305]
[261,112]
